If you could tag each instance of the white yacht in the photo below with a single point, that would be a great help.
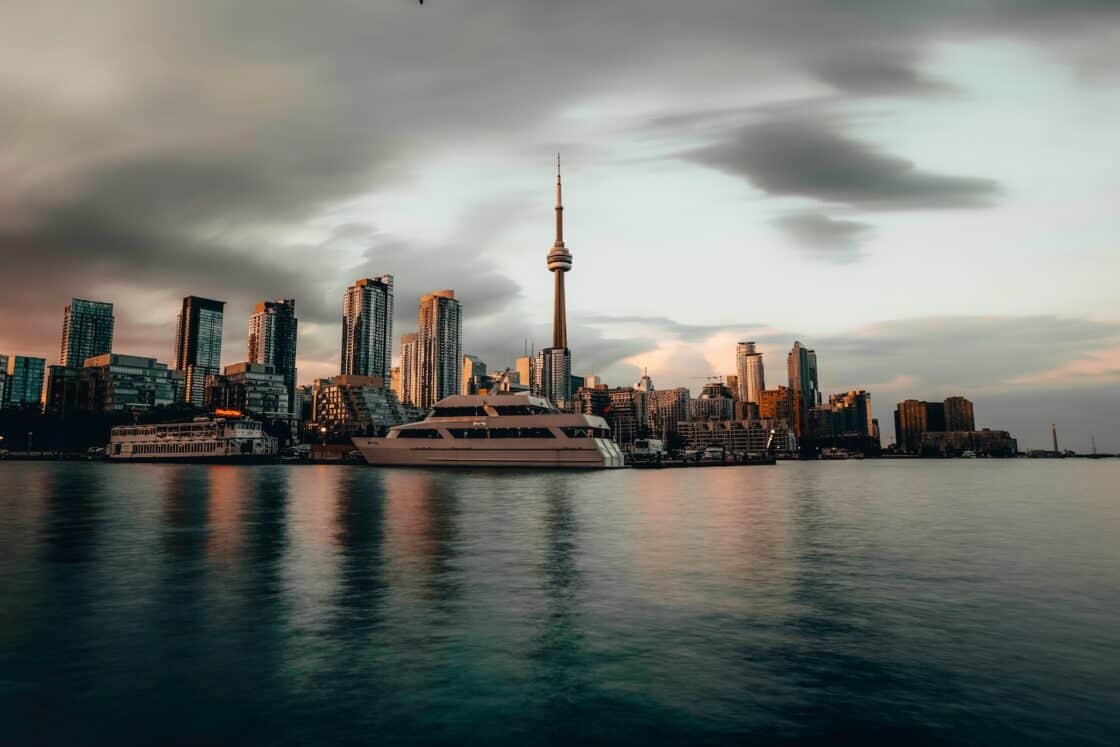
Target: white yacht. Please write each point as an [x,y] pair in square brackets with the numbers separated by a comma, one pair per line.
[202,440]
[496,430]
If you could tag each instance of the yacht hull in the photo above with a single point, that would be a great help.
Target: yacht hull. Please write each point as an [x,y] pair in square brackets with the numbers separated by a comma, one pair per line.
[591,453]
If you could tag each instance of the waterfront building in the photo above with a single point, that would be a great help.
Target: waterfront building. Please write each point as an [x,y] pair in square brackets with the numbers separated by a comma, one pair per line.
[959,414]
[801,367]
[851,413]
[666,409]
[909,425]
[22,380]
[935,416]
[985,442]
[716,402]
[474,375]
[776,404]
[252,389]
[367,327]
[114,382]
[349,405]
[626,415]
[740,436]
[198,345]
[439,347]
[305,396]
[272,341]
[552,376]
[87,331]
[593,400]
[750,377]
[410,375]
[746,410]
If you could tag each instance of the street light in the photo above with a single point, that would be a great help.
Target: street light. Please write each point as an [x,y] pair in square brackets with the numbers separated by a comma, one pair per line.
[323,434]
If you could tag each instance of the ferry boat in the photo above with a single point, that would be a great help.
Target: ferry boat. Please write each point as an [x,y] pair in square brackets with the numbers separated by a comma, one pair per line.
[496,430]
[201,440]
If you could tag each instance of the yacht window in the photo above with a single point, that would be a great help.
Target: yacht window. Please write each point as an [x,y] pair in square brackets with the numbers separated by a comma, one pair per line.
[418,433]
[467,432]
[573,432]
[516,410]
[458,412]
[521,433]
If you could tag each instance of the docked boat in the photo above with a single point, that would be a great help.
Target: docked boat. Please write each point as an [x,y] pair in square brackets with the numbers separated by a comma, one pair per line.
[496,430]
[201,440]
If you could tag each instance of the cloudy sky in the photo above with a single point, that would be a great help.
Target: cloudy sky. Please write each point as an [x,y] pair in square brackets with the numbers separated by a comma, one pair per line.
[924,192]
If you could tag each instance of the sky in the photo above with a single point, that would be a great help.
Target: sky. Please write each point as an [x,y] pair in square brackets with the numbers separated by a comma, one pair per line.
[925,193]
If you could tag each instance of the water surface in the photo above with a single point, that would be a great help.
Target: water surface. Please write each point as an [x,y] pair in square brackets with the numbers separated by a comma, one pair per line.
[928,602]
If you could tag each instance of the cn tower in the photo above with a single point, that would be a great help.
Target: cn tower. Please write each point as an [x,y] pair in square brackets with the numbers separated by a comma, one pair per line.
[559,262]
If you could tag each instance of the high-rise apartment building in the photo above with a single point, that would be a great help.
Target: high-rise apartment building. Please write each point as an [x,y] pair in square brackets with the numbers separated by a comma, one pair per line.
[439,347]
[732,381]
[198,345]
[87,331]
[552,376]
[272,341]
[749,372]
[959,415]
[367,328]
[410,371]
[23,385]
[801,367]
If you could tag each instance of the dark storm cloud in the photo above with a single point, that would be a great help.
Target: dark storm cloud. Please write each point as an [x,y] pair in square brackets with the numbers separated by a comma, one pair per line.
[823,238]
[174,148]
[809,158]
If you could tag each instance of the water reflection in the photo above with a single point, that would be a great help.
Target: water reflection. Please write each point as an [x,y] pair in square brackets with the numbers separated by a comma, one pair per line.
[421,515]
[559,645]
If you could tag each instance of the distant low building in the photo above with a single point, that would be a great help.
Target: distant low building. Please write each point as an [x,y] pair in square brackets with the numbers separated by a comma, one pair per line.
[254,389]
[914,418]
[739,436]
[984,442]
[112,382]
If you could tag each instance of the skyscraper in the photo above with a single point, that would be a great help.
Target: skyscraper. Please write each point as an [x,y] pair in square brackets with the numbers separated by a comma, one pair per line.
[198,345]
[272,340]
[748,366]
[87,331]
[409,376]
[555,363]
[801,366]
[367,327]
[439,347]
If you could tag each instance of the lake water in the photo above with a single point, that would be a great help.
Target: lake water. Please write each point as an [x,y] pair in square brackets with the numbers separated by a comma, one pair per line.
[925,602]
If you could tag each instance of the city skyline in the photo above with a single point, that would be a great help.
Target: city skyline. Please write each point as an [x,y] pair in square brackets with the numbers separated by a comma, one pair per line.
[702,220]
